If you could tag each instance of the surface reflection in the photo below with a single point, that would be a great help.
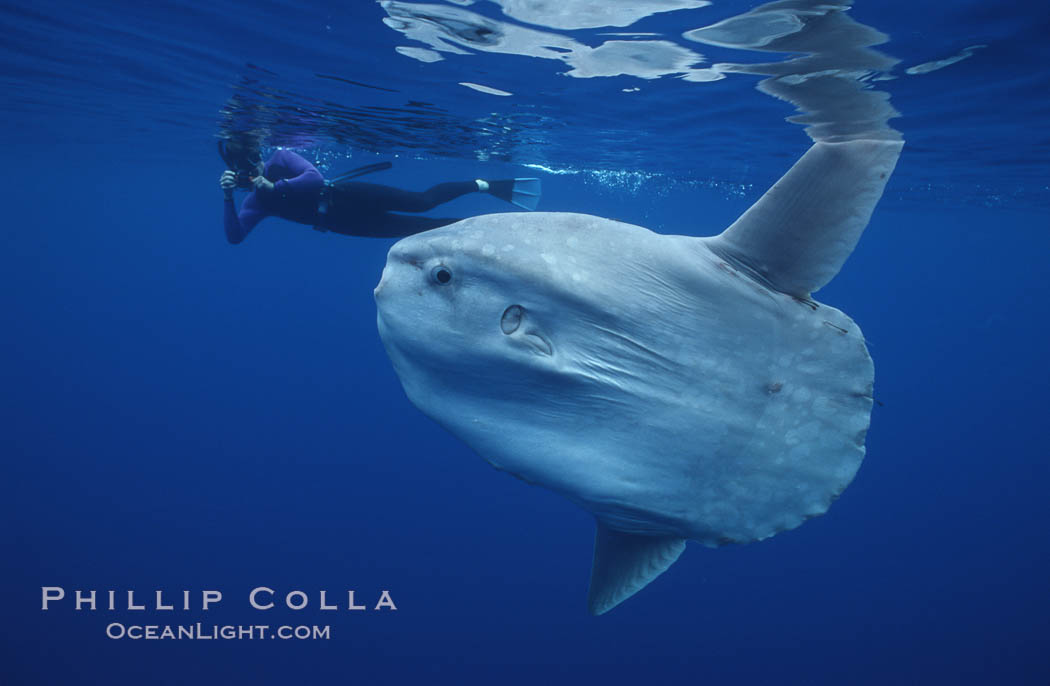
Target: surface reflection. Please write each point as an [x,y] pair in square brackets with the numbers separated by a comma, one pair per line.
[829,80]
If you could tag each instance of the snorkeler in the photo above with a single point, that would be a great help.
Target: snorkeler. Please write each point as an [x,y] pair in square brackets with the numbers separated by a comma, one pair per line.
[289,187]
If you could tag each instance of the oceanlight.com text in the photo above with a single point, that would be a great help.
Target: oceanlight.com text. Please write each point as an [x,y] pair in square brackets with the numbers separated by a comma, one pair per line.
[216,632]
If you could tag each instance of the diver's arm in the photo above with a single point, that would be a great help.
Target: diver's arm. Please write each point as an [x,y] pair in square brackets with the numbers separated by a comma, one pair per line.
[296,174]
[239,224]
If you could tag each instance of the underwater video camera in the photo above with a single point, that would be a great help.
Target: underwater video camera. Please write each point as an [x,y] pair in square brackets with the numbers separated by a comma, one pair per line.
[244,180]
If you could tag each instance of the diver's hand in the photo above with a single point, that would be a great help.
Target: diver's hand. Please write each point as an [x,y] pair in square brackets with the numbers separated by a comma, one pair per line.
[262,183]
[228,181]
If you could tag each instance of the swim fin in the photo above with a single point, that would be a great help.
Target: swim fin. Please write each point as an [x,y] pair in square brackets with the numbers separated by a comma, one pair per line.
[525,193]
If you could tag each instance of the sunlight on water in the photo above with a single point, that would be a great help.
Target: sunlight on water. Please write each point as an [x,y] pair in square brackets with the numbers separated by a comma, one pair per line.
[927,67]
[829,82]
[614,85]
[821,61]
[586,14]
[452,30]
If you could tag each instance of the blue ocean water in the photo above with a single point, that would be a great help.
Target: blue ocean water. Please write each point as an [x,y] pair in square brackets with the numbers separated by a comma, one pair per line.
[179,413]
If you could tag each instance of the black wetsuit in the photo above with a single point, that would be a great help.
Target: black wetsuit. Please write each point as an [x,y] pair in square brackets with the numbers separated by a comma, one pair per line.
[351,208]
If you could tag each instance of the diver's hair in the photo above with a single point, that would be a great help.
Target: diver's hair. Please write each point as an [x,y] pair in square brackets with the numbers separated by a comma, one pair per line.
[243,151]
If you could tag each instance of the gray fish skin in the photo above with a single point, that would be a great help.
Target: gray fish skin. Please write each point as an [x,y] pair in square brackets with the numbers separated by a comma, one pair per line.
[675,387]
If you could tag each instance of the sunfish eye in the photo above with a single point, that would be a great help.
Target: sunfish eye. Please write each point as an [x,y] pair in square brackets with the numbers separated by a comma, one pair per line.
[441,274]
[511,319]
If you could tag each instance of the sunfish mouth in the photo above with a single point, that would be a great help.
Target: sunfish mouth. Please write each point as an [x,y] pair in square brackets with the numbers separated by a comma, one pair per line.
[515,324]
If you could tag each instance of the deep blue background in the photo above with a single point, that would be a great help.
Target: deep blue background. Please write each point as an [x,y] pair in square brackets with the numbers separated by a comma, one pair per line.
[178,413]
[186,414]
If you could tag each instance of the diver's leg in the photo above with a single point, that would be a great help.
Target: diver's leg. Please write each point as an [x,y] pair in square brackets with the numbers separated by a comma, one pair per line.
[444,192]
[384,225]
[373,198]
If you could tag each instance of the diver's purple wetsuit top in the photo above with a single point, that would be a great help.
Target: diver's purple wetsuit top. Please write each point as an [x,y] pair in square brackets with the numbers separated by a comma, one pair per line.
[297,184]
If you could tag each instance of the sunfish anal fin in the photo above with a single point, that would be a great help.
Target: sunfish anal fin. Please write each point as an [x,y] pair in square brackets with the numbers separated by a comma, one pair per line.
[625,564]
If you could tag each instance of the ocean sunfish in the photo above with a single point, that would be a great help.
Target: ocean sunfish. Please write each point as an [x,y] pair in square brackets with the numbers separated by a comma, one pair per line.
[677,388]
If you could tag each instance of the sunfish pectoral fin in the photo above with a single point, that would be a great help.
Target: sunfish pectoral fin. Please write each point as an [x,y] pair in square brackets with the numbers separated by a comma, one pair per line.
[625,564]
[798,235]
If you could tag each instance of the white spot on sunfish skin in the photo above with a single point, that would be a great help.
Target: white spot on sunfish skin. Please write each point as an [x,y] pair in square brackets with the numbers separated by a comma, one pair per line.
[823,408]
[548,258]
[488,250]
[508,247]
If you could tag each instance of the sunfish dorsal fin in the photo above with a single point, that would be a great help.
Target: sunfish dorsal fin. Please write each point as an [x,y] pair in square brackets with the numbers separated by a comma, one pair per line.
[625,563]
[797,236]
